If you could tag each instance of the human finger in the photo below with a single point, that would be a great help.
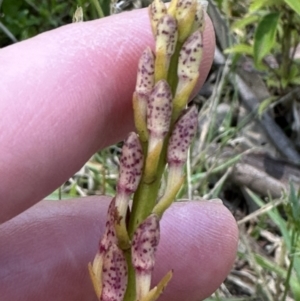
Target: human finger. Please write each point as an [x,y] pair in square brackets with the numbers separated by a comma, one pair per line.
[65,94]
[44,252]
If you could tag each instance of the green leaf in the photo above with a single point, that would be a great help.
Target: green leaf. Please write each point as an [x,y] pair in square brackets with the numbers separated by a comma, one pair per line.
[242,23]
[240,48]
[258,4]
[265,104]
[294,4]
[265,37]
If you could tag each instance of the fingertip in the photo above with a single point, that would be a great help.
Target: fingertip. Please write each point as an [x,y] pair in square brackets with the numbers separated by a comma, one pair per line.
[206,238]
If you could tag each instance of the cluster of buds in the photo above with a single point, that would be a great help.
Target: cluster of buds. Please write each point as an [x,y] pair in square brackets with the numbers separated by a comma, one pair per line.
[123,265]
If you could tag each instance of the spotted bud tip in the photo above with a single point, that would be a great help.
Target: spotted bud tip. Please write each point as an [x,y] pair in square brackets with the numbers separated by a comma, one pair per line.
[157,10]
[188,71]
[131,164]
[159,110]
[109,236]
[181,137]
[185,16]
[143,88]
[190,57]
[159,114]
[114,275]
[144,243]
[199,23]
[107,240]
[145,74]
[166,39]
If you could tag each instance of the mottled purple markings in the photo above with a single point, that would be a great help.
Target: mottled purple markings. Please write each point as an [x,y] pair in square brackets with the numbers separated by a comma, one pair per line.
[183,8]
[190,56]
[131,164]
[159,109]
[109,236]
[145,74]
[157,10]
[114,275]
[166,35]
[181,137]
[199,17]
[144,243]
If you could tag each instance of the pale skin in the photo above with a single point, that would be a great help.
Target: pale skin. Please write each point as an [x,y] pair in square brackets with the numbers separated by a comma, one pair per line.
[64,95]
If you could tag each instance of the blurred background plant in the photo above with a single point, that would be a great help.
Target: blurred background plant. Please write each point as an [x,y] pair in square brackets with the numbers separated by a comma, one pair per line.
[247,150]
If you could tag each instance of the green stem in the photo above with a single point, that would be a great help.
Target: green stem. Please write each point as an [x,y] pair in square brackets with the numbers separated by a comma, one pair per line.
[286,46]
[98,9]
[130,292]
[294,239]
[172,75]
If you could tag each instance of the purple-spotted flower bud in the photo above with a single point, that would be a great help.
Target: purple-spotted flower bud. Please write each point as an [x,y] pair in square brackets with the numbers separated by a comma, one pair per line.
[159,112]
[185,16]
[157,10]
[143,88]
[181,137]
[189,58]
[166,39]
[188,71]
[145,74]
[144,243]
[131,164]
[180,140]
[114,275]
[107,240]
[199,23]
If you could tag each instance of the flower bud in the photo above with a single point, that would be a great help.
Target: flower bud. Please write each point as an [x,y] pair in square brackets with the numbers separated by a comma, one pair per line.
[185,16]
[157,10]
[166,39]
[143,88]
[159,112]
[114,275]
[181,137]
[131,164]
[199,23]
[158,123]
[180,140]
[144,243]
[107,240]
[188,71]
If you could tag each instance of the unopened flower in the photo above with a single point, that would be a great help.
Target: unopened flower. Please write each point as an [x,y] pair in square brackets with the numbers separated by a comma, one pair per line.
[188,71]
[199,23]
[166,39]
[131,164]
[157,10]
[185,16]
[158,123]
[144,243]
[181,137]
[114,275]
[143,88]
[107,240]
[180,140]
